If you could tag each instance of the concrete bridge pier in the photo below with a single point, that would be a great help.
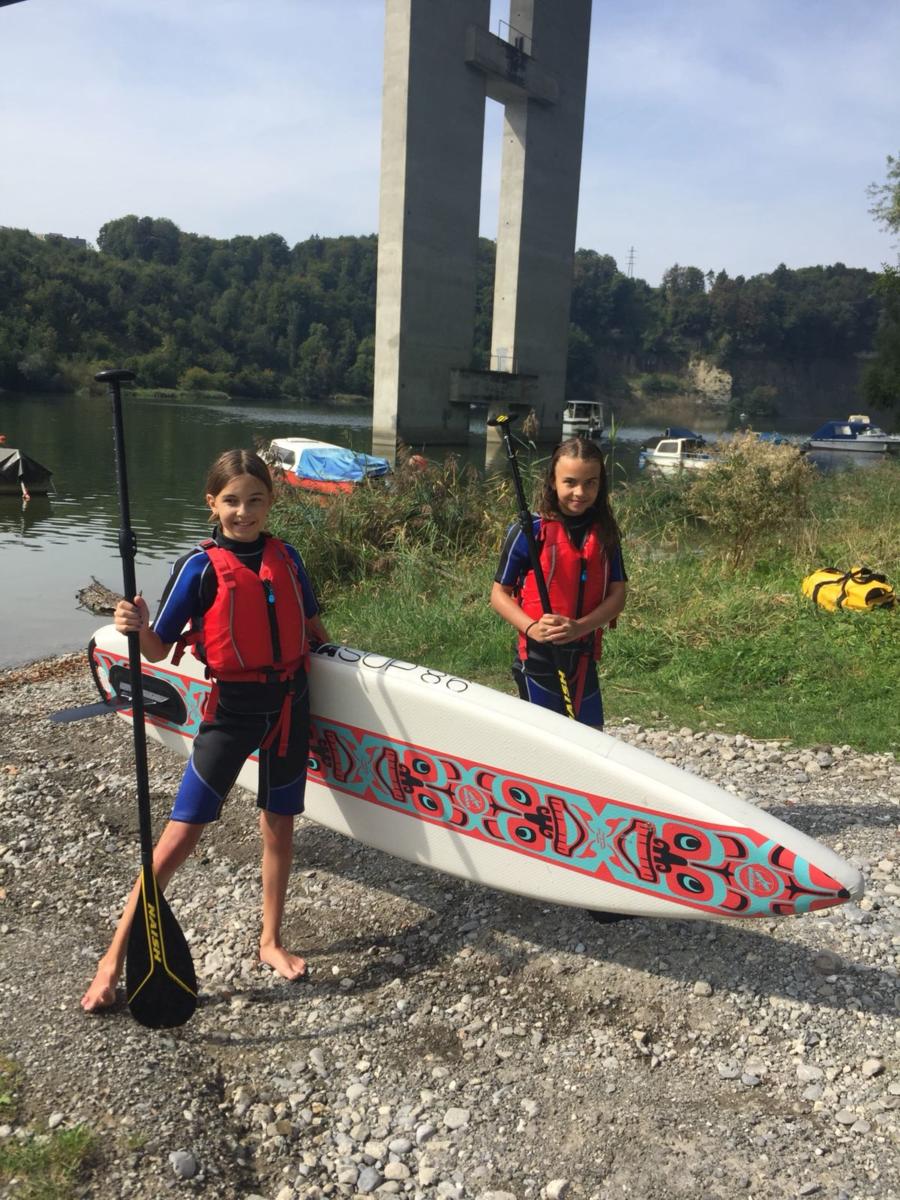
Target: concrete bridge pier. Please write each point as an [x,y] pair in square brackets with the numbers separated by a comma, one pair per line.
[442,63]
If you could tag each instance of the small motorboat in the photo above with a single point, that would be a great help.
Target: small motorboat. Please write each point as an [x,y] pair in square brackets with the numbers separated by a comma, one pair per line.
[582,418]
[23,476]
[674,431]
[857,433]
[323,467]
[676,450]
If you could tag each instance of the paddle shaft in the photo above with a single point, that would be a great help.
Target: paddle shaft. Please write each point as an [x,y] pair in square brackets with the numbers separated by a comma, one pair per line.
[526,523]
[128,550]
[160,981]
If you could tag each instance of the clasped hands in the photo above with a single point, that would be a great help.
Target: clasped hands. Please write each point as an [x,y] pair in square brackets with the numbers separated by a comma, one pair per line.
[556,629]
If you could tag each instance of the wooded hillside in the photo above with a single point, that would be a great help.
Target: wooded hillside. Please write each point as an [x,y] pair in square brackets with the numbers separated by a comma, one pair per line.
[254,316]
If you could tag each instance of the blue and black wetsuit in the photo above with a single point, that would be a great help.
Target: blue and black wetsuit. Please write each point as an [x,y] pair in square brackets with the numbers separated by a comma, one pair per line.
[246,713]
[536,675]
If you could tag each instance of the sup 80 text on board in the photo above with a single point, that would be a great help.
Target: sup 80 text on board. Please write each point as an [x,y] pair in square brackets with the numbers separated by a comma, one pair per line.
[380,662]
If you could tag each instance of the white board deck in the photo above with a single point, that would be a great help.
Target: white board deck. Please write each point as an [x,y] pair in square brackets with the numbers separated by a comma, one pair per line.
[451,775]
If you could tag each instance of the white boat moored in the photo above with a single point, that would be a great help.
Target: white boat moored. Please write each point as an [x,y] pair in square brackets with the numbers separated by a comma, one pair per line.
[675,454]
[582,418]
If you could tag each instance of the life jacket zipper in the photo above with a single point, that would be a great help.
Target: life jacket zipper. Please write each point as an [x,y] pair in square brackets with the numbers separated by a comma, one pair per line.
[273,621]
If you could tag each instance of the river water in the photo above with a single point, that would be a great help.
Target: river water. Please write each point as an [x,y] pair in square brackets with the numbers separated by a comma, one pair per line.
[50,548]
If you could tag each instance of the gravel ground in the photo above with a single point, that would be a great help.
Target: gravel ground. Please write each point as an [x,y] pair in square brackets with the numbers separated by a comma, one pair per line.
[450,1041]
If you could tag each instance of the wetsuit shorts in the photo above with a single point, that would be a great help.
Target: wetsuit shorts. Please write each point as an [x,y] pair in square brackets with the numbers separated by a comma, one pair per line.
[541,687]
[223,745]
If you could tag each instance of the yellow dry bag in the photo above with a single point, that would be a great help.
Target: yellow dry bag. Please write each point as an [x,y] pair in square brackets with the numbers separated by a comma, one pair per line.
[859,589]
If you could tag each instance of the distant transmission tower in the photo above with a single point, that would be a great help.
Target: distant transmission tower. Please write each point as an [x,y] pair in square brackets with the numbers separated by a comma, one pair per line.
[631,262]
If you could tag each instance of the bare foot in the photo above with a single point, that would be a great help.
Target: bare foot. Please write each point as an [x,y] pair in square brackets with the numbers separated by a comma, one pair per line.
[288,966]
[102,992]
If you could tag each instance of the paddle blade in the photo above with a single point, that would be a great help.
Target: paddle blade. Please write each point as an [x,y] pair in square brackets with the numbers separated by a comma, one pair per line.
[101,709]
[160,981]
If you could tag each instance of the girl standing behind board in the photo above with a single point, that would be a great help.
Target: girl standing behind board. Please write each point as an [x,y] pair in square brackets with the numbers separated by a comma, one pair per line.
[581,556]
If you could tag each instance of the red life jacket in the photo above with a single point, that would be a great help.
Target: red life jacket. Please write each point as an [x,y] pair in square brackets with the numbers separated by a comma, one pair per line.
[254,631]
[577,580]
[255,628]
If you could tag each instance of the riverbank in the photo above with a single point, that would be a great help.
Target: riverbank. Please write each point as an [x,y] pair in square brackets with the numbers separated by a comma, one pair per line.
[451,1041]
[716,633]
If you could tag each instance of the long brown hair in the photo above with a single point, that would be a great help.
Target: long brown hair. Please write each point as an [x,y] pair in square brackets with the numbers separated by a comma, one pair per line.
[600,511]
[237,462]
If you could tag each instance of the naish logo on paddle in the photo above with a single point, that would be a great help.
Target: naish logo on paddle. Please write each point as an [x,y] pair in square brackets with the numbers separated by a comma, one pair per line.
[153,931]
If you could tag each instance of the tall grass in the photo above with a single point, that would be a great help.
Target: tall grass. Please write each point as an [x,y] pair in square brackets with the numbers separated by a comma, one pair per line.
[444,512]
[708,637]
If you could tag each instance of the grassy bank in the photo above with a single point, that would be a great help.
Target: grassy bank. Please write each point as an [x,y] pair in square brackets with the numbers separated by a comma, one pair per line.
[716,633]
[40,1166]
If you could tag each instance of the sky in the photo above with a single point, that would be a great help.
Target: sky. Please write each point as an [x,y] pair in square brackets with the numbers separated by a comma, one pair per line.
[723,134]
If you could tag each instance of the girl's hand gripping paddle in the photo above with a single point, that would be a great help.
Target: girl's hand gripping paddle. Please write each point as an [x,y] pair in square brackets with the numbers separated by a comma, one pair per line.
[503,423]
[160,982]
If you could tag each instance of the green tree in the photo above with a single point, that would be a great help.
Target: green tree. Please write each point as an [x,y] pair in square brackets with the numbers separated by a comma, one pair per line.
[264,318]
[881,379]
[885,197]
[314,371]
[360,378]
[581,369]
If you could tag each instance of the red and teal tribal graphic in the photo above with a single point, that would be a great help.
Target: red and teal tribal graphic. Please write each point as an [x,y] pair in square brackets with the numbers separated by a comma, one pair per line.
[711,868]
[717,870]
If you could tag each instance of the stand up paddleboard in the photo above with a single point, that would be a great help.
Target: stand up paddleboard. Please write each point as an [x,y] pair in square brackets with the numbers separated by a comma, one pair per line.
[451,775]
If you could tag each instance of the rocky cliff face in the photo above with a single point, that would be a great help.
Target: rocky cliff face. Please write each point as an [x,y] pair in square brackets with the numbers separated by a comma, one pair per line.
[711,382]
[806,393]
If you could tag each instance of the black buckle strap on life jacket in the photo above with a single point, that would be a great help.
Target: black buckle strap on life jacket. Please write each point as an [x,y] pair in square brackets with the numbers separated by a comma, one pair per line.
[282,726]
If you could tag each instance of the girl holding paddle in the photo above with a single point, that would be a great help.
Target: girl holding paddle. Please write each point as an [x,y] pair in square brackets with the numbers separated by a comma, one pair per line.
[579,548]
[252,614]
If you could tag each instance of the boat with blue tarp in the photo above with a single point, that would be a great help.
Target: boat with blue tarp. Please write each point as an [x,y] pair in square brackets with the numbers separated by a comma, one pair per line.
[323,467]
[857,433]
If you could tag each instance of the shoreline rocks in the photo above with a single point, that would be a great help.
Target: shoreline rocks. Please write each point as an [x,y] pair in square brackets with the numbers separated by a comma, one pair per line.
[450,1041]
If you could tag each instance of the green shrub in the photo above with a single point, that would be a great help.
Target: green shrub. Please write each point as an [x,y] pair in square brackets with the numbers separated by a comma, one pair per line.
[754,489]
[198,379]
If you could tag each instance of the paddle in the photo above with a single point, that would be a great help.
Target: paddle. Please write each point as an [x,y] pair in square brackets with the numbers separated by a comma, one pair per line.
[503,423]
[160,982]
